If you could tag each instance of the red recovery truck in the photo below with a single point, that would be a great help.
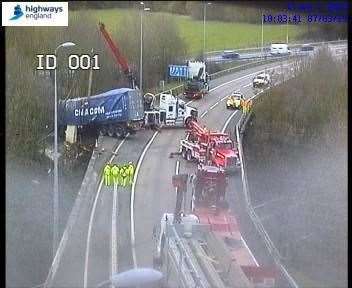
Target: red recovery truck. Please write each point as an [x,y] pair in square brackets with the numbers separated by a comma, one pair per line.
[214,253]
[209,147]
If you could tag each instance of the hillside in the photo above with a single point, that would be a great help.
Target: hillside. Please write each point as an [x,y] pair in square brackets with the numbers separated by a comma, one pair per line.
[296,154]
[219,35]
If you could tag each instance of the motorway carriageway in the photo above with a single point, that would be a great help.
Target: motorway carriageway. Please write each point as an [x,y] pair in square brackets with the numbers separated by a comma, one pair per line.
[101,241]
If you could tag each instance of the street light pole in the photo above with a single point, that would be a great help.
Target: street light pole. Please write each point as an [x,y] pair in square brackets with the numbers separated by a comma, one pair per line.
[204,15]
[287,32]
[262,34]
[141,48]
[56,156]
[141,56]
[204,18]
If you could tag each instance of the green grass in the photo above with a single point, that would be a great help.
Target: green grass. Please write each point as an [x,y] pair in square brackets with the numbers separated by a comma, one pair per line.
[219,35]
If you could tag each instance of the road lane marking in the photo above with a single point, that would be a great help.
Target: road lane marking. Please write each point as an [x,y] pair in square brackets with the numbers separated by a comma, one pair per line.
[147,147]
[114,233]
[245,244]
[213,106]
[133,189]
[228,121]
[177,169]
[204,113]
[86,262]
[245,86]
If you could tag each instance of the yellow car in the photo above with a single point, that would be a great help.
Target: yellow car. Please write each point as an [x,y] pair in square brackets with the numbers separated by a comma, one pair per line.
[234,101]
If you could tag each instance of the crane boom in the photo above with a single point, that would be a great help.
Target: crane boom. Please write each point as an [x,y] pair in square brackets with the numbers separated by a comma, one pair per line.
[119,58]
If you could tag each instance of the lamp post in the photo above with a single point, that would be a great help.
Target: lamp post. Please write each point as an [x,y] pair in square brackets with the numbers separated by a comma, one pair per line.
[141,41]
[204,18]
[262,34]
[56,176]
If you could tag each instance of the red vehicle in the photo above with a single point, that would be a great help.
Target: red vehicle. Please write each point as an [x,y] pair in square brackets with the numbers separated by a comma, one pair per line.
[208,237]
[210,206]
[210,147]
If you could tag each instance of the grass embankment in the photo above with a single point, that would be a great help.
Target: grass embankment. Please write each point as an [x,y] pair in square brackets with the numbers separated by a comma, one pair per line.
[219,35]
[296,151]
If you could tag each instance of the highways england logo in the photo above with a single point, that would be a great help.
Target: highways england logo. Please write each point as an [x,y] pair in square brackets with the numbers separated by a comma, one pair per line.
[17,13]
[35,14]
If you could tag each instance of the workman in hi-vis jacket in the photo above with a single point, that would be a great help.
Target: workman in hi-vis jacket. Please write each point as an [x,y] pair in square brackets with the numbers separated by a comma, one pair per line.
[130,172]
[107,174]
[115,170]
[124,176]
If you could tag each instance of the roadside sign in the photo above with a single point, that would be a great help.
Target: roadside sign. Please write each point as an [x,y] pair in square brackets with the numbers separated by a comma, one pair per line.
[178,71]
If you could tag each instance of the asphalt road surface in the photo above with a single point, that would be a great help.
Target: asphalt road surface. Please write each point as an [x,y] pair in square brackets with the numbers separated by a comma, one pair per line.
[106,238]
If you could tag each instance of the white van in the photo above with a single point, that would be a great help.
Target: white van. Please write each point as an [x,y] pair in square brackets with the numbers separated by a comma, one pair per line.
[279,49]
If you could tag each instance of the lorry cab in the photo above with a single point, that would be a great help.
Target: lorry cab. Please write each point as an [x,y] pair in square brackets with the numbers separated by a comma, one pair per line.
[174,111]
[226,156]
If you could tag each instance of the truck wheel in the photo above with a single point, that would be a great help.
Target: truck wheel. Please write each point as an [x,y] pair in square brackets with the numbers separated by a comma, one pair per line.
[184,153]
[102,131]
[120,132]
[189,155]
[111,131]
[187,122]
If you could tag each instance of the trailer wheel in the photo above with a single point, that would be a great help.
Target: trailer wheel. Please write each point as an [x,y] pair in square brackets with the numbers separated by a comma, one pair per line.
[111,131]
[102,131]
[120,132]
[189,155]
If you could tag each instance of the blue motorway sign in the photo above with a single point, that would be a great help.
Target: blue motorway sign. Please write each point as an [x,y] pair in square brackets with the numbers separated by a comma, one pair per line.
[178,71]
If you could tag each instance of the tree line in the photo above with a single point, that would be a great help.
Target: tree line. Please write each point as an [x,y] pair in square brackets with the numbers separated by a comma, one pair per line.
[30,93]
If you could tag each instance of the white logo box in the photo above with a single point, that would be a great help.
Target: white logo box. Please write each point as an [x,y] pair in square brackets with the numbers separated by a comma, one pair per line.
[34,13]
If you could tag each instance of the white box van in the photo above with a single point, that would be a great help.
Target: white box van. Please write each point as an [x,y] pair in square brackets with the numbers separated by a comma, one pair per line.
[279,49]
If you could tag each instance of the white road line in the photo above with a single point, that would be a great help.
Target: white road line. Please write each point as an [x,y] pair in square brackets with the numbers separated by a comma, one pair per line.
[140,160]
[227,122]
[189,102]
[213,106]
[245,244]
[114,233]
[245,86]
[203,114]
[177,169]
[86,263]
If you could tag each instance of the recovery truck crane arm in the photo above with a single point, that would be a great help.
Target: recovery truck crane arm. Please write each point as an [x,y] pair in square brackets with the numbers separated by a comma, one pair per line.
[119,58]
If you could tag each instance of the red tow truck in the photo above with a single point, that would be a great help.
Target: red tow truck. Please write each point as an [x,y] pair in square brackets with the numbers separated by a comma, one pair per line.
[205,248]
[210,147]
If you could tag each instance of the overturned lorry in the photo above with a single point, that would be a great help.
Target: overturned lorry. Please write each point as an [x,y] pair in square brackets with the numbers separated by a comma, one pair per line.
[121,111]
